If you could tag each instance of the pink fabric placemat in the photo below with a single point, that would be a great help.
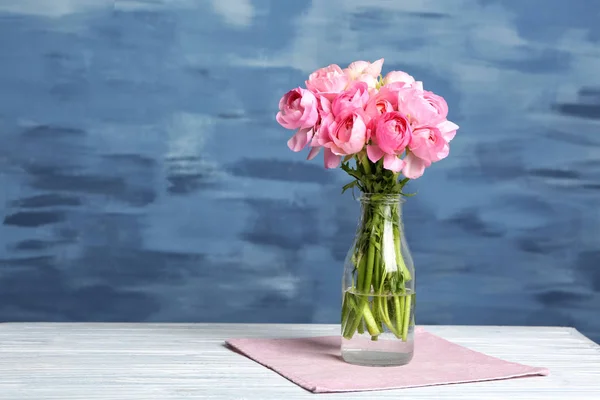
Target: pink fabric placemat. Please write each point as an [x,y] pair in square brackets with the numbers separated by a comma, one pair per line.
[315,364]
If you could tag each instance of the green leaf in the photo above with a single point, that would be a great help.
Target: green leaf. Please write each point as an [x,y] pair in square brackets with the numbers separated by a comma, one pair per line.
[408,194]
[354,174]
[349,185]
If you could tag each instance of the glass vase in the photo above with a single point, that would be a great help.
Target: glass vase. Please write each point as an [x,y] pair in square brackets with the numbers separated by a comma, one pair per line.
[378,287]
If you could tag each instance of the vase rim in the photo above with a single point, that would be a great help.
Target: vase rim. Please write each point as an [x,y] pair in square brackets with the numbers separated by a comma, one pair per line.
[390,198]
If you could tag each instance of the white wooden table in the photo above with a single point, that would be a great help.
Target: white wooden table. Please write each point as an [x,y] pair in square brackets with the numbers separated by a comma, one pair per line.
[188,361]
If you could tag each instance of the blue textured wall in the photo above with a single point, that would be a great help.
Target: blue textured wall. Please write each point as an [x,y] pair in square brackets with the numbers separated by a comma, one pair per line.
[143,177]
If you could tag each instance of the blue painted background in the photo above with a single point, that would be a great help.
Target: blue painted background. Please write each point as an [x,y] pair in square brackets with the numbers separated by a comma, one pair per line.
[143,177]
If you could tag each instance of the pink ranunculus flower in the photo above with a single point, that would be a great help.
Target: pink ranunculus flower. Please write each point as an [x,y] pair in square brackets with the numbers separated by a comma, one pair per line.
[422,108]
[428,144]
[392,133]
[359,68]
[438,103]
[356,96]
[344,134]
[381,102]
[328,81]
[385,100]
[402,80]
[398,76]
[320,130]
[298,109]
[364,71]
[386,96]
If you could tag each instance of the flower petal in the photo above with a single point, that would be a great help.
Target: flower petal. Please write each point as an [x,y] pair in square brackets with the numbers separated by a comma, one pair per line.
[370,80]
[393,163]
[281,120]
[374,68]
[313,152]
[356,68]
[443,153]
[414,166]
[325,104]
[331,160]
[374,153]
[448,129]
[300,139]
[398,76]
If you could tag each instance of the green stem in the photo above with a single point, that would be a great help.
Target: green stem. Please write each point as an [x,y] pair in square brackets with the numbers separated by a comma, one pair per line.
[361,326]
[348,331]
[363,311]
[357,313]
[399,259]
[369,319]
[398,309]
[366,164]
[370,256]
[375,306]
[385,314]
[402,303]
[376,317]
[377,271]
[369,269]
[377,313]
[406,319]
[345,309]
[361,271]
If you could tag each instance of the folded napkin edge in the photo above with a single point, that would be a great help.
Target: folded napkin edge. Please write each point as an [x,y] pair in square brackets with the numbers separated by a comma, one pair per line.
[291,377]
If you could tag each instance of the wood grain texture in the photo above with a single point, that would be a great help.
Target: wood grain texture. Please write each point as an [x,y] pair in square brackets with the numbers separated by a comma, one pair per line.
[188,361]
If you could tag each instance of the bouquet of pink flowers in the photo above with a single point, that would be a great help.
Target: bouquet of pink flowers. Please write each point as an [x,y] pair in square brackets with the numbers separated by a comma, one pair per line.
[384,131]
[357,113]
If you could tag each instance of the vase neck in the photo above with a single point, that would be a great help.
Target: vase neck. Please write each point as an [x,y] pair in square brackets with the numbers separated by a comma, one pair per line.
[388,207]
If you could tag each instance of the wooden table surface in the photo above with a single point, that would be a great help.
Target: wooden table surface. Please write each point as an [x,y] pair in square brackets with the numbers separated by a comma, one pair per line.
[188,361]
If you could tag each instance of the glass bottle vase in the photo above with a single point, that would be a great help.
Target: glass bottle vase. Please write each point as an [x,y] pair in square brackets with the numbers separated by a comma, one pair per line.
[378,287]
